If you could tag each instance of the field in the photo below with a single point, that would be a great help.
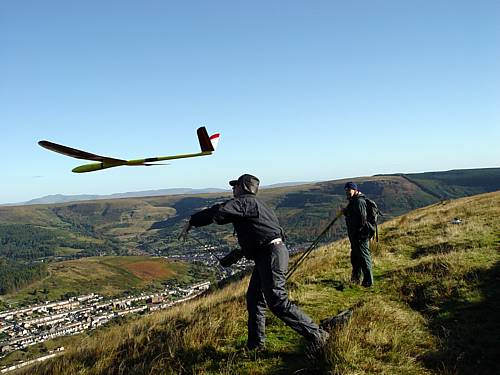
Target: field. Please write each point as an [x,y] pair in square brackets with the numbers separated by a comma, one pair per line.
[434,309]
[104,275]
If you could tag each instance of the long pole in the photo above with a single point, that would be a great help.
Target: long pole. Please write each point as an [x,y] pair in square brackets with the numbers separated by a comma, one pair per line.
[311,247]
[207,247]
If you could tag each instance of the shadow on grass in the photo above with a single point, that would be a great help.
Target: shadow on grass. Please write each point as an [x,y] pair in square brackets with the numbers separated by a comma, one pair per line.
[335,284]
[469,331]
[440,248]
[241,361]
[299,363]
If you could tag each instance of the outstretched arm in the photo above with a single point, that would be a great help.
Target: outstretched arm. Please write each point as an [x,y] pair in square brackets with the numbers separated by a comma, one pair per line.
[199,219]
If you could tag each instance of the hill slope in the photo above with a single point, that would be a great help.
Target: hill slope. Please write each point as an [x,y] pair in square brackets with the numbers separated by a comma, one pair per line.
[149,224]
[435,308]
[109,276]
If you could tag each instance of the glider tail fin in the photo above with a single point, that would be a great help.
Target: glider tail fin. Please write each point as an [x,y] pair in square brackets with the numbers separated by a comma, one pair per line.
[214,139]
[207,144]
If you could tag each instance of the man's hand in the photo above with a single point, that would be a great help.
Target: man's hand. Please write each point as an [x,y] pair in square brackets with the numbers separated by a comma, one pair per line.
[233,257]
[340,211]
[184,234]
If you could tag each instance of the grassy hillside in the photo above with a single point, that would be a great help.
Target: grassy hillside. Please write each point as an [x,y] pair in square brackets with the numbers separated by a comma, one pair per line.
[150,224]
[106,275]
[454,184]
[435,309]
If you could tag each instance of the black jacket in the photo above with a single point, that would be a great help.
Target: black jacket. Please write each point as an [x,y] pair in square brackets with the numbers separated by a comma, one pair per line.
[255,224]
[355,217]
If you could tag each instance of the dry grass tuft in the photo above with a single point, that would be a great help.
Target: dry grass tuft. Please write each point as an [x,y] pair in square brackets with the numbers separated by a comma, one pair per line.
[382,337]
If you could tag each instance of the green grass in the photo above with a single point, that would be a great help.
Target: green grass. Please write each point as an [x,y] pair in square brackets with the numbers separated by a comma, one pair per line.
[434,310]
[66,251]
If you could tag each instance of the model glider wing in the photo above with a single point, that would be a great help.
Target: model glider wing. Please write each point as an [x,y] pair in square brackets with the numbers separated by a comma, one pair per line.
[208,144]
[73,152]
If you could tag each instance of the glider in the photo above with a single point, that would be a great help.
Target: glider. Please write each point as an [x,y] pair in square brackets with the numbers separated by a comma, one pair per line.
[208,145]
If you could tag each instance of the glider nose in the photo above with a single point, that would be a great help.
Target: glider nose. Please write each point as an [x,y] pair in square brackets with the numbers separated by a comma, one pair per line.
[88,168]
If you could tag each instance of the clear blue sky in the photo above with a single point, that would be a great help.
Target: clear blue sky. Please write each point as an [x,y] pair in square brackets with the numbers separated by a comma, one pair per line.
[300,91]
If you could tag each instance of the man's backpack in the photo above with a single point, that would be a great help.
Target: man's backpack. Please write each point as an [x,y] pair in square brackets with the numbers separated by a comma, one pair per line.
[372,214]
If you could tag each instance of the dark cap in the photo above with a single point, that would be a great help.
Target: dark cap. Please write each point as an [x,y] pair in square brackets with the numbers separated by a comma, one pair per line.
[351,185]
[249,183]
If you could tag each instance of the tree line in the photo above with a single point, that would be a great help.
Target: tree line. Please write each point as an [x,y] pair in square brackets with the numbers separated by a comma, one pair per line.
[24,250]
[17,274]
[26,242]
[30,243]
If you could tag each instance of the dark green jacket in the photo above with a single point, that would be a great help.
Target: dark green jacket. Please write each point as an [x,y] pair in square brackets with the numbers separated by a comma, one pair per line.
[355,218]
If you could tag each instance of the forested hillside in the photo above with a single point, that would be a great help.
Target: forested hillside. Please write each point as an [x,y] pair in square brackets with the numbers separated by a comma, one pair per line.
[456,183]
[150,225]
[16,274]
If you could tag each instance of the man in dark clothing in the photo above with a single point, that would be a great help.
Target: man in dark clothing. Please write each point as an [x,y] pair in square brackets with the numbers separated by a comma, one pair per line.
[261,239]
[359,231]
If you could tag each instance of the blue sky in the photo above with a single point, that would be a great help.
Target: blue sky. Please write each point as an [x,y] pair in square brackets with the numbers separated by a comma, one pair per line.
[300,91]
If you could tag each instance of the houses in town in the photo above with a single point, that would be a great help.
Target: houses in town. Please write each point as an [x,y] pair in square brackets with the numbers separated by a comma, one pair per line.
[35,324]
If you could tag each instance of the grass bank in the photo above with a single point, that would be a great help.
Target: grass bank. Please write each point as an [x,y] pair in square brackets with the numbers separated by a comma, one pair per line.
[434,310]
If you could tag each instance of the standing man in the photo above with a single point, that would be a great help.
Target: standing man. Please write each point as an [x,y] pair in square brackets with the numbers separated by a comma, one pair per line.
[359,232]
[261,239]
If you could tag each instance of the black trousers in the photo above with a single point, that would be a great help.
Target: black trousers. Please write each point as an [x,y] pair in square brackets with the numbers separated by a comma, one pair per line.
[267,288]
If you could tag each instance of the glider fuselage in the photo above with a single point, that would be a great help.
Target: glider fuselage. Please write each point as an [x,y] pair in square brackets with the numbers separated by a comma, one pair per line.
[110,164]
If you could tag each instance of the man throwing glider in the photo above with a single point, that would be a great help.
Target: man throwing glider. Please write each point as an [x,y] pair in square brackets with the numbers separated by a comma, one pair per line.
[261,239]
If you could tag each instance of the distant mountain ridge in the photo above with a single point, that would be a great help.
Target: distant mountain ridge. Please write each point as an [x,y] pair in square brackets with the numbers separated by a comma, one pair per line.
[61,198]
[441,185]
